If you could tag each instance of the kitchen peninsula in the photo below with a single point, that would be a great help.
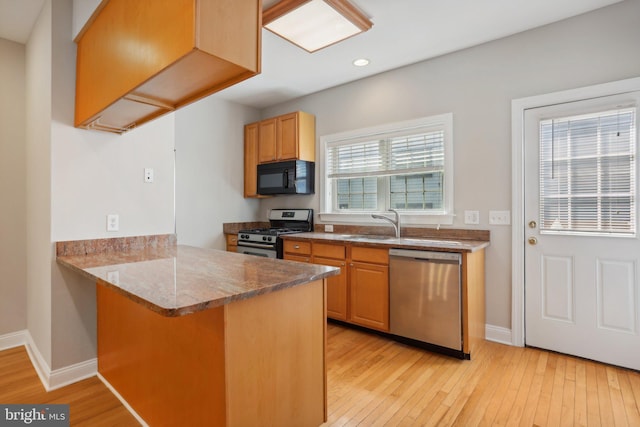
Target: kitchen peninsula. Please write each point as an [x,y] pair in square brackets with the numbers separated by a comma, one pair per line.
[191,336]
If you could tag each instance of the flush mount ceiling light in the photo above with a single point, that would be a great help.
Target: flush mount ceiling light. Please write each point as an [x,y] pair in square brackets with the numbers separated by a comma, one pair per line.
[361,62]
[315,24]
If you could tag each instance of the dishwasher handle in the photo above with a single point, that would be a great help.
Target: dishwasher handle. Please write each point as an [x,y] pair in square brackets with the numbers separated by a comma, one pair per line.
[441,257]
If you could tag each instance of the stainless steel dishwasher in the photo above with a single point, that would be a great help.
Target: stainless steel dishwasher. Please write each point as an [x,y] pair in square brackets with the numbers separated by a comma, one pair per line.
[425,297]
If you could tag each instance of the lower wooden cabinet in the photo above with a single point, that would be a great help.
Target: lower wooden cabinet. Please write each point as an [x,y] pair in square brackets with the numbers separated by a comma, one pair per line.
[360,294]
[369,294]
[232,242]
[336,288]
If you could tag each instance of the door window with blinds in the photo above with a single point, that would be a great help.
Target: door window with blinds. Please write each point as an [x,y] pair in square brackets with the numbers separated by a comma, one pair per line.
[404,166]
[588,173]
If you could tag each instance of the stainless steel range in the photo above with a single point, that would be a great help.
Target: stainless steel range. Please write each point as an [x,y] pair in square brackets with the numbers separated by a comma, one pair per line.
[265,242]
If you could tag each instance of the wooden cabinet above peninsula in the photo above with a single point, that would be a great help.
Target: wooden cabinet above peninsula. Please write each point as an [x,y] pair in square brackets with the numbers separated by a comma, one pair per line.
[139,60]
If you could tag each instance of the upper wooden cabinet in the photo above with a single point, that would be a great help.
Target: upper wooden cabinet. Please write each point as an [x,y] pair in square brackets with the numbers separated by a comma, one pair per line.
[137,60]
[288,137]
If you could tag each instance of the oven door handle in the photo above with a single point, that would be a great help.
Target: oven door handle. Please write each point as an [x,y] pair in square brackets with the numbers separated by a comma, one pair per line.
[256,245]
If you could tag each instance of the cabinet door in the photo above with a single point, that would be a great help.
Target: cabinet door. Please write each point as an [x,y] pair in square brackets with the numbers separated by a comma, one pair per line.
[251,160]
[267,141]
[232,242]
[299,258]
[369,303]
[336,288]
[287,137]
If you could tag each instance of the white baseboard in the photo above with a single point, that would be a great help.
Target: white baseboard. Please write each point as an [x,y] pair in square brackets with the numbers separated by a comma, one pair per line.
[123,401]
[14,339]
[57,378]
[73,373]
[498,334]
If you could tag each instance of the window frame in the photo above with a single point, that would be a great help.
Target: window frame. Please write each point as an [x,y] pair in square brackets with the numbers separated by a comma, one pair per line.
[445,216]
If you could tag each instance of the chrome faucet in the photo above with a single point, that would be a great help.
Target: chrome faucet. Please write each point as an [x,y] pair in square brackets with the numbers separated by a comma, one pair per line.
[396,223]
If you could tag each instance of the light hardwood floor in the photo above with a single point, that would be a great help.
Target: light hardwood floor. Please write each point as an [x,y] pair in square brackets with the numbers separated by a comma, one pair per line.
[373,381]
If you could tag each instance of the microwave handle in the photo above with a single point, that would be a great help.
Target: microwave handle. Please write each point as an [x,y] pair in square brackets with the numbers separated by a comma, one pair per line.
[285,178]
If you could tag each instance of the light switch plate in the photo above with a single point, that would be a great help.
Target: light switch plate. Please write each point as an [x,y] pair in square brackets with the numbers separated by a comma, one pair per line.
[472,217]
[148,175]
[328,228]
[113,222]
[500,217]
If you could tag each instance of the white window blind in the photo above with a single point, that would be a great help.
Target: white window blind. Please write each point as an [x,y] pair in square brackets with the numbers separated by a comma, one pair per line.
[588,173]
[416,152]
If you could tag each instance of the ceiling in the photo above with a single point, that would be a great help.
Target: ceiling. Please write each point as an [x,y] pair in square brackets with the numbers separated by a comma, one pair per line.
[404,32]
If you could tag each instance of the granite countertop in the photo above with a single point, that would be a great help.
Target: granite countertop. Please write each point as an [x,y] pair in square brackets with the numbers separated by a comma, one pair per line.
[176,280]
[419,243]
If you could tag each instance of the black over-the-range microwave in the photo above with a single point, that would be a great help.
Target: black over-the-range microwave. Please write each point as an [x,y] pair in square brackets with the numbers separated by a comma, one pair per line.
[288,177]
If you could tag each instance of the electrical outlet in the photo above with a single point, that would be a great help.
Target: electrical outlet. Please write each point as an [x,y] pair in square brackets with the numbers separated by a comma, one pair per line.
[148,175]
[472,217]
[328,228]
[113,222]
[500,217]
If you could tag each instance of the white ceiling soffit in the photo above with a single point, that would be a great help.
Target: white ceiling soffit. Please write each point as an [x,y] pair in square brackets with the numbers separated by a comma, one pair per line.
[403,32]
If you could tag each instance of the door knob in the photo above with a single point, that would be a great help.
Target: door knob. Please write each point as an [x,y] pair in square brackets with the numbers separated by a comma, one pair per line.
[532,224]
[533,241]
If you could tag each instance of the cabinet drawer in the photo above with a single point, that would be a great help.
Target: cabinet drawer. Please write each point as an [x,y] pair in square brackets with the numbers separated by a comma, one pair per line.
[372,255]
[232,239]
[329,251]
[297,247]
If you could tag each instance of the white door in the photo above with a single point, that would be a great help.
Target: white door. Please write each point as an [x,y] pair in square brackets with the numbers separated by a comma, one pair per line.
[582,254]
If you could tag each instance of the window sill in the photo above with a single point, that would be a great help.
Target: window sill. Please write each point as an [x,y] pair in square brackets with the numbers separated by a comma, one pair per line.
[405,218]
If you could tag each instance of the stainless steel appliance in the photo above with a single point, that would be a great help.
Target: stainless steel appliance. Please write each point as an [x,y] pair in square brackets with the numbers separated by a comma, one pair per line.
[265,242]
[288,177]
[425,297]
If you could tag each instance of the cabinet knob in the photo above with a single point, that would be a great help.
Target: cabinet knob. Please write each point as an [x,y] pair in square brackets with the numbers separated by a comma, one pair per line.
[296,247]
[533,241]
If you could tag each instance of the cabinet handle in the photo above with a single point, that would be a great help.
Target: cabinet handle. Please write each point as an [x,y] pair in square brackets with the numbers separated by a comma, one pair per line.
[234,240]
[351,265]
[296,247]
[342,264]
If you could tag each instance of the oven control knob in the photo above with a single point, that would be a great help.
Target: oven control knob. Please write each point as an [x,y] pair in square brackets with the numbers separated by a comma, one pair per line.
[264,238]
[269,238]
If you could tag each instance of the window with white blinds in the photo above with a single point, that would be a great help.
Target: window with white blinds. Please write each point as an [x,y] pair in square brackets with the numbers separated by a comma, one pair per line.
[402,166]
[588,173]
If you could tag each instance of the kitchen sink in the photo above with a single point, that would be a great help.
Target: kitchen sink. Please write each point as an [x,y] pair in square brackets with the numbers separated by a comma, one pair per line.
[366,237]
[433,242]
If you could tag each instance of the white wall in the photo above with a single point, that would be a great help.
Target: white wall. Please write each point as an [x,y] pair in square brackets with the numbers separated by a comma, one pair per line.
[209,170]
[13,232]
[477,85]
[82,11]
[38,155]
[74,179]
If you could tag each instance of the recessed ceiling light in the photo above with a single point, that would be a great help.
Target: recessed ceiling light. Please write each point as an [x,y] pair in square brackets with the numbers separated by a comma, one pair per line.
[361,62]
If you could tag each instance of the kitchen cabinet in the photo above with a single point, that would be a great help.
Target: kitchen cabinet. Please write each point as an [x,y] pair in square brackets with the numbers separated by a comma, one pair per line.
[369,287]
[290,136]
[139,60]
[360,294]
[251,132]
[337,286]
[232,242]
[297,251]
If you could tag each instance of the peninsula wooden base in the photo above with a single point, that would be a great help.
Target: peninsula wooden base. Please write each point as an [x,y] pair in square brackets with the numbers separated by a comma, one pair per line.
[253,362]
